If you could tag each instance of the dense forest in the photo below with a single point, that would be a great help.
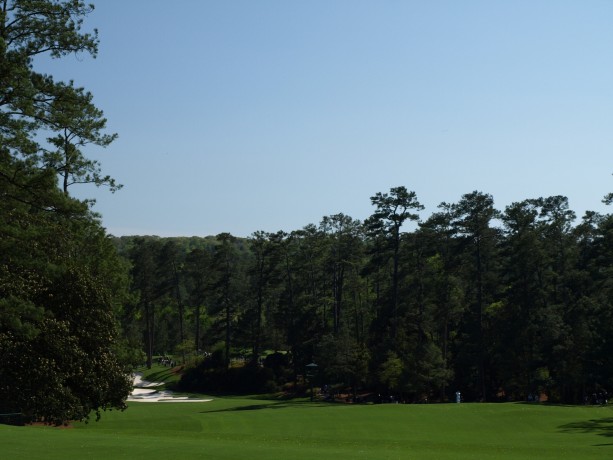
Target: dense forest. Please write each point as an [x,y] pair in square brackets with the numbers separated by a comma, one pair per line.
[496,304]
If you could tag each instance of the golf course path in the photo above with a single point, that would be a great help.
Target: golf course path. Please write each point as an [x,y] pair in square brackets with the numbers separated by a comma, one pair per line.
[145,391]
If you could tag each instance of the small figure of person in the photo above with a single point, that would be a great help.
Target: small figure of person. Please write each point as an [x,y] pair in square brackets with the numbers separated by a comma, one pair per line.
[458,397]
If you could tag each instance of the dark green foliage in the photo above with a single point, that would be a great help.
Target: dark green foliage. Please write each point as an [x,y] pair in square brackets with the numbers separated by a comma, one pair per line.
[61,281]
[76,122]
[212,376]
[280,365]
[57,330]
[343,360]
[496,305]
[477,238]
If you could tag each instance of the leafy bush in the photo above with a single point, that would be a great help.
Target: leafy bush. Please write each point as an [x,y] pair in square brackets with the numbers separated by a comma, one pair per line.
[210,376]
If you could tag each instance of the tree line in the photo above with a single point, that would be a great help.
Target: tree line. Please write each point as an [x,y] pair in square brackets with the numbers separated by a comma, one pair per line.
[495,304]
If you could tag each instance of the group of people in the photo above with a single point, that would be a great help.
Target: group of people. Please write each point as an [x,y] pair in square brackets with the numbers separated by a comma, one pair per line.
[166,361]
[600,398]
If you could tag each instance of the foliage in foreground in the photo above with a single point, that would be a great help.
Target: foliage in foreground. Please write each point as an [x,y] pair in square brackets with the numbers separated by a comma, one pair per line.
[61,282]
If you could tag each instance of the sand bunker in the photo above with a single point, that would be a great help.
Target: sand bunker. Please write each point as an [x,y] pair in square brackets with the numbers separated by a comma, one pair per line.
[145,391]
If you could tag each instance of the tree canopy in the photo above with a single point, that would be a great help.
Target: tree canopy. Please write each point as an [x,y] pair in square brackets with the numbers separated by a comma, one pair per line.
[498,304]
[61,281]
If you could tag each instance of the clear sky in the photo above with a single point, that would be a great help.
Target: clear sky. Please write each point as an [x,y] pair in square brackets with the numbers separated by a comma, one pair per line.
[237,116]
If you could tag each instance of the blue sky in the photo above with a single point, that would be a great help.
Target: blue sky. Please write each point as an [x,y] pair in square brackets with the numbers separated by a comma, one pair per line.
[237,116]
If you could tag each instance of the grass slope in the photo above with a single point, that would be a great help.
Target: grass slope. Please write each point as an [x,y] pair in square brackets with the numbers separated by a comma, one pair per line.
[161,374]
[236,428]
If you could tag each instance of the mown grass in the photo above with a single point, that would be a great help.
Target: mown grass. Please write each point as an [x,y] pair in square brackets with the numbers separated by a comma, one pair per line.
[161,374]
[237,428]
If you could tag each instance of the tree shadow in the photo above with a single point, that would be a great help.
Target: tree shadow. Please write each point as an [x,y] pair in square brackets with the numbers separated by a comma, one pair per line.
[545,404]
[600,427]
[268,405]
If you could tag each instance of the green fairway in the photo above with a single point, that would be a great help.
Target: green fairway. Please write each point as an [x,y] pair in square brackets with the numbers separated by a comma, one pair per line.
[236,428]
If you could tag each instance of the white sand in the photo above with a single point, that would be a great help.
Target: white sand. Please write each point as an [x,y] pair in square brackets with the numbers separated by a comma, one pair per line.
[146,392]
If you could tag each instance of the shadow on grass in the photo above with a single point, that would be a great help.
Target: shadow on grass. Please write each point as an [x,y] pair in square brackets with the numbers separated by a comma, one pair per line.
[268,405]
[161,376]
[600,427]
[545,404]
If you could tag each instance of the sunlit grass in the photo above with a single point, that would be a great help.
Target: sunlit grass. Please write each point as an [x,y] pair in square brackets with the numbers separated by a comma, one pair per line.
[236,428]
